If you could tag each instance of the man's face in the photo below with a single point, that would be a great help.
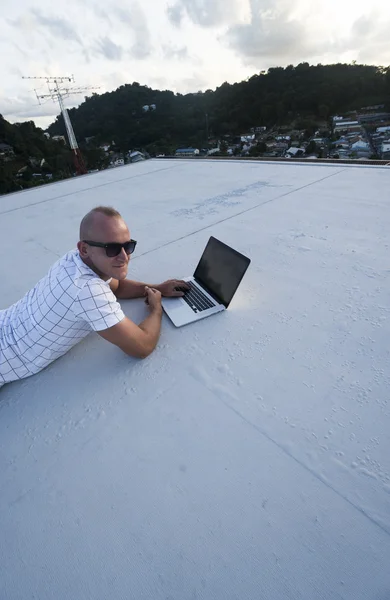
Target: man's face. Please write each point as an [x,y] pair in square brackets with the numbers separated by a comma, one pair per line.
[105,230]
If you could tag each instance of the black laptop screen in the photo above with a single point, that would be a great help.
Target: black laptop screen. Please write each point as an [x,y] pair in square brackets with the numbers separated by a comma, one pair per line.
[221,269]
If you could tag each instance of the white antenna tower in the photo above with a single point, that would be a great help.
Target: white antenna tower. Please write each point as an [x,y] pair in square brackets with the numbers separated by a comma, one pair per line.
[58,94]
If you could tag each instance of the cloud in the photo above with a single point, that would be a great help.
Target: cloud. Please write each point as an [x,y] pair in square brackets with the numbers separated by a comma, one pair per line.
[121,19]
[174,52]
[206,13]
[109,49]
[102,14]
[58,27]
[134,17]
[175,13]
[37,26]
[370,38]
[272,33]
[24,107]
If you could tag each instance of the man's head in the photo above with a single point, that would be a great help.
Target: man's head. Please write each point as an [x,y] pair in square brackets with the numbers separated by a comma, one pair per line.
[104,225]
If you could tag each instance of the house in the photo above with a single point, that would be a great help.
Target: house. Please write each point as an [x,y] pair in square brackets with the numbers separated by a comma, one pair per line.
[6,149]
[258,129]
[344,145]
[350,126]
[374,117]
[213,151]
[295,152]
[385,150]
[362,149]
[277,148]
[353,138]
[383,129]
[319,141]
[136,156]
[59,138]
[248,138]
[187,152]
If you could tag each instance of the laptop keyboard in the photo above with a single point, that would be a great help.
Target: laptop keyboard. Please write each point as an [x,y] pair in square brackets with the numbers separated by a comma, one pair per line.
[196,300]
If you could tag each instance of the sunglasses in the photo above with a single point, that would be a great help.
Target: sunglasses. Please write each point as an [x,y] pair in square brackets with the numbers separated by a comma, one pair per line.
[114,248]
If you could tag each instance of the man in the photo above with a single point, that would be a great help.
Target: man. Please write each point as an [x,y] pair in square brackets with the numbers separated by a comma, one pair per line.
[79,295]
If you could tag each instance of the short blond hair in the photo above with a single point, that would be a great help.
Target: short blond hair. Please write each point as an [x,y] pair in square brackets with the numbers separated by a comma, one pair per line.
[87,221]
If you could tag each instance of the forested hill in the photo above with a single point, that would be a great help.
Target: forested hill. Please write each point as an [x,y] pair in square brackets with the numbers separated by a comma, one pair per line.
[276,97]
[25,151]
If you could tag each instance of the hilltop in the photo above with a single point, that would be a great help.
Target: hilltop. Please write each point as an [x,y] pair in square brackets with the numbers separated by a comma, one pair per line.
[136,116]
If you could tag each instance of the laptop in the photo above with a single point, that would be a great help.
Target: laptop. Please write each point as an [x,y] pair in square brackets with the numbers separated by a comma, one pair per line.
[212,287]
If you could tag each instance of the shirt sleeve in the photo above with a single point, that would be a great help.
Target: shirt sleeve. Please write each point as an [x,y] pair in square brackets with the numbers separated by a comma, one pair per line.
[97,305]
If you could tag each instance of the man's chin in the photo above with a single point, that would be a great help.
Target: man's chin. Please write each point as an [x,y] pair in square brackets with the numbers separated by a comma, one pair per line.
[120,273]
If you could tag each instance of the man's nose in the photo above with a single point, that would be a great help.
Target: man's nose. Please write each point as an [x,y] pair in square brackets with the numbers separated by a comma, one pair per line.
[124,255]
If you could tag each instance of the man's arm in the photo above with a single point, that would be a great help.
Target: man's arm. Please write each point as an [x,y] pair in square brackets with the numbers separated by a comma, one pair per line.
[126,289]
[138,340]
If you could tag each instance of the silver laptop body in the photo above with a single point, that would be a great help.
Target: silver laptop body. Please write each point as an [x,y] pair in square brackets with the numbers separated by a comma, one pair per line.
[213,284]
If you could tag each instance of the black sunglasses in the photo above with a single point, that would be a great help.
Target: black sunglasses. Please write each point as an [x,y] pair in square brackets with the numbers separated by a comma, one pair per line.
[114,248]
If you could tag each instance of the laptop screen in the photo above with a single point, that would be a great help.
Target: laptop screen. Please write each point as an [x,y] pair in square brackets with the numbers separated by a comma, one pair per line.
[220,270]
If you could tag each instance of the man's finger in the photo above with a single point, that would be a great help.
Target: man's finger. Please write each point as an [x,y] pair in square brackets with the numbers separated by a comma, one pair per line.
[177,294]
[182,284]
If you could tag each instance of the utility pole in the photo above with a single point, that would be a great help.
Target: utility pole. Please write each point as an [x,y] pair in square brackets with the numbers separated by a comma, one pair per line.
[57,93]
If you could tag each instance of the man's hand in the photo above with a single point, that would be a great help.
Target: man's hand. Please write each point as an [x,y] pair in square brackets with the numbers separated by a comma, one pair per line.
[170,288]
[153,298]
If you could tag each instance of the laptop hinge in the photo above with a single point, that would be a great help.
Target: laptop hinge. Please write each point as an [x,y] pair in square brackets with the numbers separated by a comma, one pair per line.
[209,291]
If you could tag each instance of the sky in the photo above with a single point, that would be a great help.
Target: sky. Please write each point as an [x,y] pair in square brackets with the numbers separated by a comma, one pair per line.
[182,45]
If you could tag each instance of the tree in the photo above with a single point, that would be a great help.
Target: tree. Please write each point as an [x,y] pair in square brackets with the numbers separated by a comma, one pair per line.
[323,111]
[312,148]
[258,150]
[303,96]
[223,147]
[304,93]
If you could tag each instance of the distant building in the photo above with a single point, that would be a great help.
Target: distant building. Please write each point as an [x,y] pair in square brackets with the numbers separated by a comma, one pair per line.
[383,129]
[374,117]
[187,152]
[6,149]
[295,152]
[321,142]
[347,126]
[213,151]
[385,150]
[361,149]
[247,137]
[376,107]
[59,138]
[258,129]
[136,156]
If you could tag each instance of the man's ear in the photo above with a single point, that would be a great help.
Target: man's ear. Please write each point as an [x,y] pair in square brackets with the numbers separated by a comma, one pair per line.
[83,249]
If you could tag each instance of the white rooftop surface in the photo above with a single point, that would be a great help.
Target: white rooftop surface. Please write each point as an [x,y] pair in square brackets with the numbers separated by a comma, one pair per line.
[248,458]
